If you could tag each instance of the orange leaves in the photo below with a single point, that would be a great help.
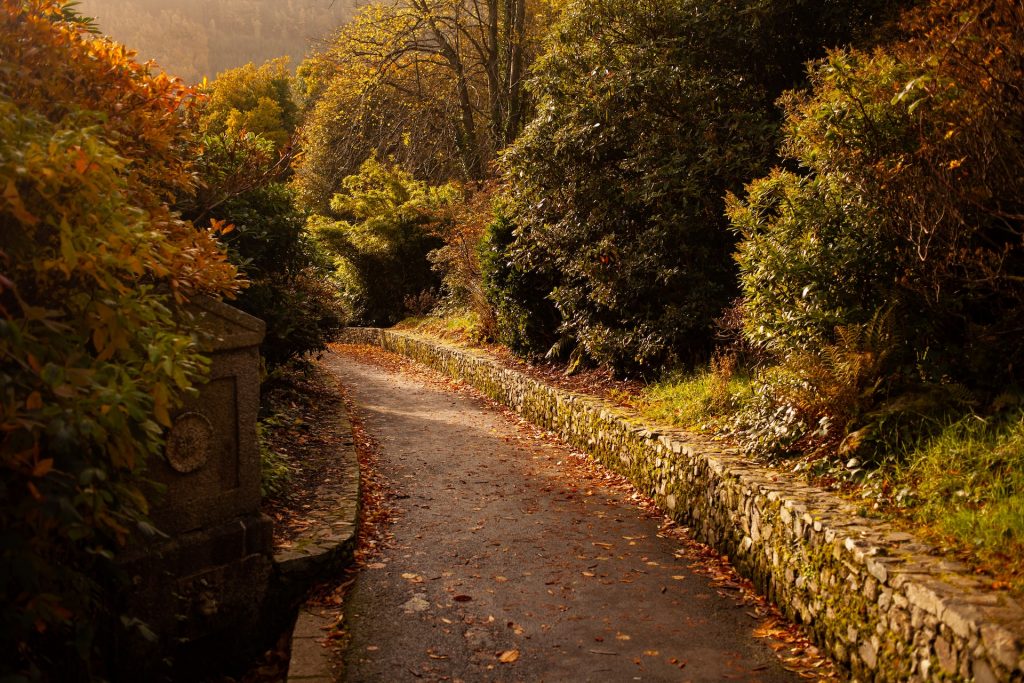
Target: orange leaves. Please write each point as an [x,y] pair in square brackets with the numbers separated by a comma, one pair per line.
[221,228]
[43,467]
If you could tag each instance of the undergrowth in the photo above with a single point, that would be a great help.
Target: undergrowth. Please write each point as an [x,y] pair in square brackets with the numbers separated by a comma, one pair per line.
[700,399]
[461,325]
[276,469]
[966,485]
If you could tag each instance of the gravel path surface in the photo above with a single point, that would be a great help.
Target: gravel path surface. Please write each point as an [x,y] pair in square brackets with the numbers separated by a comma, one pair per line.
[510,559]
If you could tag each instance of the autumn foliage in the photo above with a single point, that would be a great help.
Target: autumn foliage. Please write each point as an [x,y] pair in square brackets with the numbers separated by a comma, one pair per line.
[93,262]
[884,274]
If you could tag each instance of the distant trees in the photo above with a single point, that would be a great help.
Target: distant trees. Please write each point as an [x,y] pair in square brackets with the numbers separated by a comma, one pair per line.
[194,39]
[435,85]
[254,99]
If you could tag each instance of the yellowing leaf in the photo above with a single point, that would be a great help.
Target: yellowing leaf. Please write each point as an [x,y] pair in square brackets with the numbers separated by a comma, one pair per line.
[508,656]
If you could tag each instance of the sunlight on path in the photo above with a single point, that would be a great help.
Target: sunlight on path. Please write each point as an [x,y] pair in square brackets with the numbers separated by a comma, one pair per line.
[507,564]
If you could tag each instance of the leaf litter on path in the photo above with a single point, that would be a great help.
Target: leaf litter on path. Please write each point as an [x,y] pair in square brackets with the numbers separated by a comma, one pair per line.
[789,641]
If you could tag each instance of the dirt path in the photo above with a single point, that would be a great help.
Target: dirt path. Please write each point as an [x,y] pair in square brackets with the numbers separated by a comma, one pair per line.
[510,560]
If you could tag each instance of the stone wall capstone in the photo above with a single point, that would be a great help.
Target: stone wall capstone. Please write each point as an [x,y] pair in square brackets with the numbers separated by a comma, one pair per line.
[880,601]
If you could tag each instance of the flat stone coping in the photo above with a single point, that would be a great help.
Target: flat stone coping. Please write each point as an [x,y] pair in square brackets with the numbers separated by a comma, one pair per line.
[883,603]
[320,553]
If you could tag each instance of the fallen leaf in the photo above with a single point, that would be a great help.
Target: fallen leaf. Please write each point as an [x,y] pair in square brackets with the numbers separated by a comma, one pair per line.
[508,656]
[462,598]
[621,636]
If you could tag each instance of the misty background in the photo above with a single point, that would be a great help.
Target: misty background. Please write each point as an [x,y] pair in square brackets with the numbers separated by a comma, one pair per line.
[194,39]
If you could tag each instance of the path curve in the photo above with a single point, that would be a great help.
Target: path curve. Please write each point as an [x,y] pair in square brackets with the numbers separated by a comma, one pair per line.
[508,564]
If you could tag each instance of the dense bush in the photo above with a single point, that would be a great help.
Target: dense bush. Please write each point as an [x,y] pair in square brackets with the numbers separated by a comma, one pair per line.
[648,114]
[381,229]
[92,265]
[525,319]
[458,260]
[289,276]
[908,207]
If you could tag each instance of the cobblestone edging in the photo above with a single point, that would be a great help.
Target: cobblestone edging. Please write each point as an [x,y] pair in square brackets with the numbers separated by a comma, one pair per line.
[872,596]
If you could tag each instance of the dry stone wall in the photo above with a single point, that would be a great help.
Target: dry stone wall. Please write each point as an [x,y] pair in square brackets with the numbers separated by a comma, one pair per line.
[876,598]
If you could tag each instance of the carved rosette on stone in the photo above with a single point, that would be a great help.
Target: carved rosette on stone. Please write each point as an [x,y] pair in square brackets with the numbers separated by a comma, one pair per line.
[189,442]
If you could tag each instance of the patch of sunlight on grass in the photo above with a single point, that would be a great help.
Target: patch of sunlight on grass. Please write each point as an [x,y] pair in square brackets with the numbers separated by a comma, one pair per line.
[968,483]
[459,325]
[696,399]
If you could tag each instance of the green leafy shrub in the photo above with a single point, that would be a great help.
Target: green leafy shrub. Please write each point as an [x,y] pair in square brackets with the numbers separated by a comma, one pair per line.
[517,290]
[910,208]
[381,230]
[648,114]
[290,278]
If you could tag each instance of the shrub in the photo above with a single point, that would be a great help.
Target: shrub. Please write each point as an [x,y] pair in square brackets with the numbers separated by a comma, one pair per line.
[289,275]
[910,206]
[381,229]
[648,114]
[458,261]
[92,265]
[517,290]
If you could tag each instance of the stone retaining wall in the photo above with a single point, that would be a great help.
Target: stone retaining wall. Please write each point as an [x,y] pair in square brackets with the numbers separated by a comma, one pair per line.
[872,596]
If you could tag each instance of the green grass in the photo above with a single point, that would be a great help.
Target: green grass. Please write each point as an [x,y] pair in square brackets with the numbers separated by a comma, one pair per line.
[693,400]
[461,325]
[967,483]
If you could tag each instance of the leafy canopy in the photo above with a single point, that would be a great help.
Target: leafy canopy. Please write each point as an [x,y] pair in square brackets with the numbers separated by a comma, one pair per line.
[253,99]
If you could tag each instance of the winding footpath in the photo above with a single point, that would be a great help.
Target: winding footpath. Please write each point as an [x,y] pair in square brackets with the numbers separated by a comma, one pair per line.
[511,560]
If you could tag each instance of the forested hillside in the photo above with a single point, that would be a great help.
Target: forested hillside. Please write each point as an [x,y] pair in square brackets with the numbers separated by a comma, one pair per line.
[193,38]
